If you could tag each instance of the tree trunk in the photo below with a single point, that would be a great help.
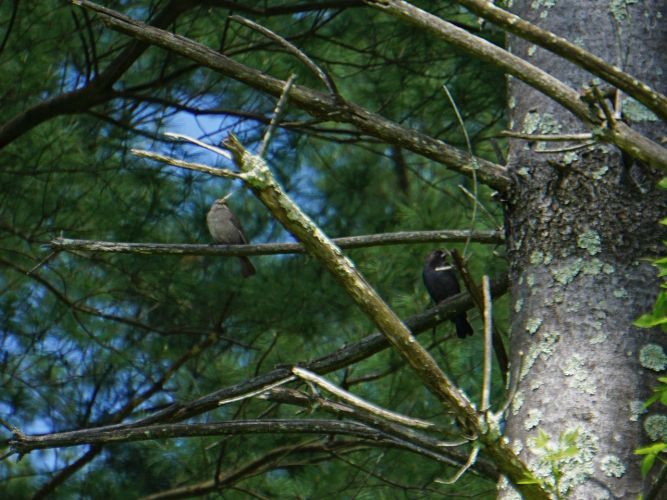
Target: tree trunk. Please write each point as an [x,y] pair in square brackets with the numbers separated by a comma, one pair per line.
[579,224]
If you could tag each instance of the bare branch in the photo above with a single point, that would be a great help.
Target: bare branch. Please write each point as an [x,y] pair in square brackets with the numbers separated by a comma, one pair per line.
[348,242]
[608,114]
[359,402]
[473,289]
[257,392]
[488,349]
[459,118]
[277,113]
[566,149]
[112,434]
[548,137]
[293,49]
[444,452]
[197,167]
[183,137]
[471,460]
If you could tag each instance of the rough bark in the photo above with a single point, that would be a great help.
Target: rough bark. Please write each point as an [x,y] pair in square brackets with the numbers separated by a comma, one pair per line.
[579,224]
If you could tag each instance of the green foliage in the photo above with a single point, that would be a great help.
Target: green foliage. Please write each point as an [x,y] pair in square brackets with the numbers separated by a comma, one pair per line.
[557,458]
[658,316]
[660,393]
[651,453]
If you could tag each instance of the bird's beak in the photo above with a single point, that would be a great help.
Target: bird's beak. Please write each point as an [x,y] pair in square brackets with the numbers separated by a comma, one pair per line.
[225,198]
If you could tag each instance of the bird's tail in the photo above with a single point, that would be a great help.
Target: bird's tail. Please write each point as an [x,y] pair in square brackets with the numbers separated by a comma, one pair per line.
[463,328]
[247,269]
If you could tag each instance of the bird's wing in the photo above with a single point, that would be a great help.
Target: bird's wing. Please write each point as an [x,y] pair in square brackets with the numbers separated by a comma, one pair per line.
[237,225]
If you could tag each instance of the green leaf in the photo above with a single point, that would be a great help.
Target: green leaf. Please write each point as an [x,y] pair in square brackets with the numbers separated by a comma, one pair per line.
[542,439]
[651,449]
[570,438]
[663,183]
[660,306]
[568,452]
[649,321]
[650,401]
[530,480]
[647,463]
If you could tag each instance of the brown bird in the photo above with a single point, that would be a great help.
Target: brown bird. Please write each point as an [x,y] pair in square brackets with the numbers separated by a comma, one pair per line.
[226,229]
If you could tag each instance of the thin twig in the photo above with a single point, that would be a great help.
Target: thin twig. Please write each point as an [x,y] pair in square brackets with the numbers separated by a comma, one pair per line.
[42,262]
[186,138]
[293,49]
[349,412]
[547,137]
[611,121]
[277,113]
[479,203]
[9,427]
[311,377]
[618,103]
[476,294]
[513,385]
[471,460]
[565,150]
[475,166]
[256,392]
[219,172]
[488,340]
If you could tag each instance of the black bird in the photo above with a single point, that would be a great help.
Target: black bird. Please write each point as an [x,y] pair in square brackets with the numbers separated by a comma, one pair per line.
[225,228]
[441,283]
